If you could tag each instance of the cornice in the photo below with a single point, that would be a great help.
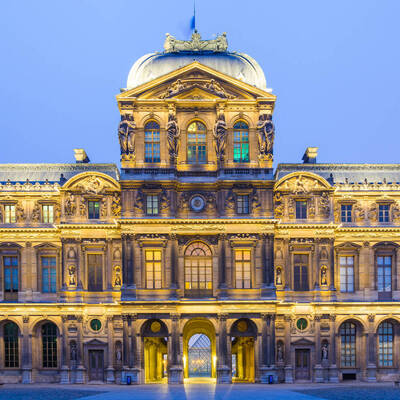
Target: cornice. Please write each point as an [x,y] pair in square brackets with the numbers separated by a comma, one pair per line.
[177,221]
[306,226]
[341,229]
[62,227]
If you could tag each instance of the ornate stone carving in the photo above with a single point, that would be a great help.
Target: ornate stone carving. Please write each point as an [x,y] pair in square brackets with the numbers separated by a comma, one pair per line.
[165,202]
[116,205]
[70,204]
[220,131]
[278,276]
[92,184]
[324,351]
[291,208]
[373,213]
[324,275]
[255,203]
[336,213]
[279,352]
[82,207]
[172,45]
[117,276]
[359,213]
[266,136]
[139,202]
[230,203]
[183,202]
[395,213]
[173,135]
[103,207]
[211,203]
[35,217]
[19,213]
[126,135]
[311,208]
[71,275]
[324,205]
[278,205]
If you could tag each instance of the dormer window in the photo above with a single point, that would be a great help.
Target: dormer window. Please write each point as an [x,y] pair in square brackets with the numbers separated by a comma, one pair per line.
[196,143]
[152,142]
[242,203]
[384,212]
[47,214]
[93,209]
[346,212]
[152,204]
[240,142]
[301,209]
[9,214]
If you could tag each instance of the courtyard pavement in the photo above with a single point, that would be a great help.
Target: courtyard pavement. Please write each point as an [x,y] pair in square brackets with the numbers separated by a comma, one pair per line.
[345,391]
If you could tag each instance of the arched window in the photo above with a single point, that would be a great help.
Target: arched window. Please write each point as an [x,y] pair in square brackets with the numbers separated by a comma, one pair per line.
[240,142]
[348,344]
[49,345]
[11,351]
[385,348]
[196,143]
[198,270]
[152,142]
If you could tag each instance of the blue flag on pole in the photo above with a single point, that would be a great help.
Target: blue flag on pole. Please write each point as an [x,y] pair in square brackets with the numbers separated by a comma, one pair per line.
[193,20]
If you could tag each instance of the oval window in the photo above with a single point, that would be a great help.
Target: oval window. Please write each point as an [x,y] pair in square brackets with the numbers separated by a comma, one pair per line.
[95,325]
[301,324]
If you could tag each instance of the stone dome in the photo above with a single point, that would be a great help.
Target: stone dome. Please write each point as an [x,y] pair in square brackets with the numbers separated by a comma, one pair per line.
[211,53]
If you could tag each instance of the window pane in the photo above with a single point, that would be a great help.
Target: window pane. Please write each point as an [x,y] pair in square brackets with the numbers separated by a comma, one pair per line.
[301,209]
[196,150]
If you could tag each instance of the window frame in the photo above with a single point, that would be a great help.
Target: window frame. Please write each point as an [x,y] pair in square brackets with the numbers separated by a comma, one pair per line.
[100,266]
[241,197]
[47,217]
[305,203]
[197,144]
[241,142]
[346,216]
[153,272]
[13,348]
[382,351]
[10,213]
[49,267]
[301,266]
[242,261]
[152,142]
[347,267]
[154,196]
[96,210]
[344,351]
[384,213]
[12,294]
[55,360]
[383,266]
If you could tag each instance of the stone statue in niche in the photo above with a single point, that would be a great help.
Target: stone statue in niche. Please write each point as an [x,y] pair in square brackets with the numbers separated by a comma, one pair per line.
[278,276]
[116,205]
[279,352]
[72,275]
[220,131]
[36,213]
[117,276]
[139,202]
[324,352]
[73,351]
[324,278]
[173,135]
[118,354]
[126,135]
[266,136]
[70,205]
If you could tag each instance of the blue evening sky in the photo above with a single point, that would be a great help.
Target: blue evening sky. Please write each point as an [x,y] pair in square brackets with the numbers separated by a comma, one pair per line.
[334,65]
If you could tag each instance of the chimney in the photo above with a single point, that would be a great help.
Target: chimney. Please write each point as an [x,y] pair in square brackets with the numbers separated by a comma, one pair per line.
[310,156]
[81,156]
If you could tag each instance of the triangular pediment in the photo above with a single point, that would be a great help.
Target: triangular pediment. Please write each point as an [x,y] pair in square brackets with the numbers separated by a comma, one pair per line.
[302,342]
[195,79]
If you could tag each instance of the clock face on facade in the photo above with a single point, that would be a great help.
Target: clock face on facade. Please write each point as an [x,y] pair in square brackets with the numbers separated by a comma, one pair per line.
[197,203]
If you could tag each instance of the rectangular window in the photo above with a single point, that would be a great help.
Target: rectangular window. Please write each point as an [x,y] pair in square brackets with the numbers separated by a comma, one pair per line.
[384,273]
[242,202]
[300,272]
[346,210]
[346,274]
[93,209]
[384,212]
[301,209]
[11,279]
[243,269]
[153,269]
[49,265]
[152,205]
[48,214]
[241,146]
[95,272]
[9,214]
[152,146]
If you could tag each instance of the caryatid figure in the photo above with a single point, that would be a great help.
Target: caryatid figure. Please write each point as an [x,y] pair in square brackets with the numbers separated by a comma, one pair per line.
[266,136]
[173,136]
[220,132]
[126,134]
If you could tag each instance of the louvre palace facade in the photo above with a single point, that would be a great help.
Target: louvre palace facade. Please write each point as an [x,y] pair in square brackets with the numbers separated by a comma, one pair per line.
[196,259]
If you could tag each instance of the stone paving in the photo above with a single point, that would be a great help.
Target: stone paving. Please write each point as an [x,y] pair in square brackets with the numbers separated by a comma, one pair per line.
[202,392]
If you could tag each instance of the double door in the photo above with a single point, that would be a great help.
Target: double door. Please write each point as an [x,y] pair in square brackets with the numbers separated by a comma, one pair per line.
[302,364]
[96,365]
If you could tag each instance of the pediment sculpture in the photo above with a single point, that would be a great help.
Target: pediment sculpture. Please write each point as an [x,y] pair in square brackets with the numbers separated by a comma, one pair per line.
[173,45]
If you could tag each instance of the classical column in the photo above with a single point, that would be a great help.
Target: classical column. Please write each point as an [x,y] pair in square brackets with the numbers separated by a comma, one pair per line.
[175,373]
[333,370]
[288,351]
[318,368]
[64,374]
[125,344]
[26,353]
[174,264]
[223,371]
[110,359]
[222,266]
[128,291]
[267,359]
[371,352]
[80,371]
[267,250]
[332,287]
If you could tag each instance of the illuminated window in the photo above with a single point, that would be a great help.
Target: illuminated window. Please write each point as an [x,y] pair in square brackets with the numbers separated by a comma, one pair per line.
[301,209]
[198,269]
[11,279]
[153,269]
[152,142]
[300,272]
[9,214]
[11,351]
[196,143]
[49,274]
[48,214]
[386,337]
[242,203]
[384,212]
[152,205]
[95,272]
[243,269]
[93,209]
[346,274]
[49,345]
[346,210]
[384,267]
[240,142]
[348,344]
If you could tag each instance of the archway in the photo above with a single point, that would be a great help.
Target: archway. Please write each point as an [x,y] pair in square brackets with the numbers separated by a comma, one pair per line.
[243,336]
[155,340]
[199,349]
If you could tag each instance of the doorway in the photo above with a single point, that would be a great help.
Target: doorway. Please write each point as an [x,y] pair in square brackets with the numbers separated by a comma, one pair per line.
[243,359]
[155,359]
[96,365]
[302,363]
[199,356]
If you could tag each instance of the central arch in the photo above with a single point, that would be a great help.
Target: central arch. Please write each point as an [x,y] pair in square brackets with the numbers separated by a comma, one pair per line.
[199,349]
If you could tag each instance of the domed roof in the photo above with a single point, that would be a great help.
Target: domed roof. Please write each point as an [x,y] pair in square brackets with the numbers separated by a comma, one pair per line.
[211,53]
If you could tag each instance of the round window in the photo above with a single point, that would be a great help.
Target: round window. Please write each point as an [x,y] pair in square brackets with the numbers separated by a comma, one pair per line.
[95,324]
[155,327]
[301,324]
[197,203]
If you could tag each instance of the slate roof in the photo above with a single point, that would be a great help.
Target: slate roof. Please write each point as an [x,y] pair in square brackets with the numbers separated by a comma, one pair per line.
[53,173]
[345,173]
